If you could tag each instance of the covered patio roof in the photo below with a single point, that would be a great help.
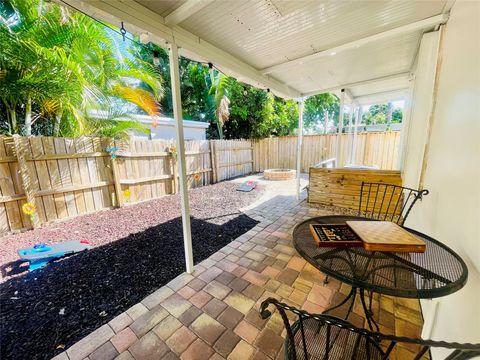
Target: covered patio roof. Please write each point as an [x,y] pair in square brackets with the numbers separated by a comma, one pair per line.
[364,50]
[295,48]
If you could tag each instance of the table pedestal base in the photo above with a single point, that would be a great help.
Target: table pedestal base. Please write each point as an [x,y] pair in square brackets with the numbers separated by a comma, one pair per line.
[367,310]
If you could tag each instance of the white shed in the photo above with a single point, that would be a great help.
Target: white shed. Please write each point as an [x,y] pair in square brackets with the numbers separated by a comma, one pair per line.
[164,128]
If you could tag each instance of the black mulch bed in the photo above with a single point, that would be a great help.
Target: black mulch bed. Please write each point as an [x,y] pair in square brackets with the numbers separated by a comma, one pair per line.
[92,288]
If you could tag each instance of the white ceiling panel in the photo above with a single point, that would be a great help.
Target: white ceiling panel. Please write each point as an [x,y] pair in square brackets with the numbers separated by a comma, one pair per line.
[382,58]
[268,32]
[374,87]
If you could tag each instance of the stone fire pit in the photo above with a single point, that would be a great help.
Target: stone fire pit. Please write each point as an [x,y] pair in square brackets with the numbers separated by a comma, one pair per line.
[279,174]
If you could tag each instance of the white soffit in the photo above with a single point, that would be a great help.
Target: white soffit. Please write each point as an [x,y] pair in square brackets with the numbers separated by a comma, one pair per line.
[393,84]
[382,97]
[266,33]
[371,61]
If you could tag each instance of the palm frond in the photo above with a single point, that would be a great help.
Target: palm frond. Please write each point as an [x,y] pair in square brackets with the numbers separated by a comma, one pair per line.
[119,129]
[219,91]
[50,106]
[139,97]
[223,110]
[148,76]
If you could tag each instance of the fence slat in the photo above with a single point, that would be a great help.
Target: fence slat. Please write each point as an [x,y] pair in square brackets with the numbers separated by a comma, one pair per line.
[378,149]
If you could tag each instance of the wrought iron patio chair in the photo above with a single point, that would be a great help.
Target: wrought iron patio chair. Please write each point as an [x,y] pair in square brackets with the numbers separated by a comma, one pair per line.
[325,337]
[387,202]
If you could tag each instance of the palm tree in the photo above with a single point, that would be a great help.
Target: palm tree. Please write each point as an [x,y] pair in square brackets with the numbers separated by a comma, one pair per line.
[66,65]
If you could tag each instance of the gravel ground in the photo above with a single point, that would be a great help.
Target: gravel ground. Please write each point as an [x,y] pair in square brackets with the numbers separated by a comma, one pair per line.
[136,250]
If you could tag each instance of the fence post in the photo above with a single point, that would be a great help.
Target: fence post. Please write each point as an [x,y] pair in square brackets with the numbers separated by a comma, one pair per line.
[116,183]
[217,162]
[21,153]
[252,152]
[117,187]
[174,174]
[213,161]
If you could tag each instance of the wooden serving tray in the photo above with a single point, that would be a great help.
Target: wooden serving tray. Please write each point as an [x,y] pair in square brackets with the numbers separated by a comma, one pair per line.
[334,235]
[386,236]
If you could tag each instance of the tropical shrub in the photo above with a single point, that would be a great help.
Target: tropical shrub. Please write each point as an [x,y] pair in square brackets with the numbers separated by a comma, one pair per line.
[56,66]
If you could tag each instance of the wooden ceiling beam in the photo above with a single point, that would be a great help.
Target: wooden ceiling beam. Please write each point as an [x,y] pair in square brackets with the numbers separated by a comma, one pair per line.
[185,11]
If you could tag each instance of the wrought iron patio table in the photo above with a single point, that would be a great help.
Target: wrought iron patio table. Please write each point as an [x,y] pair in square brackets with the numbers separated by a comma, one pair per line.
[437,272]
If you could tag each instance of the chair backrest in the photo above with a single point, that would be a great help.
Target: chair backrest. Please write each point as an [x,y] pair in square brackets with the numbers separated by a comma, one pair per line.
[388,202]
[331,334]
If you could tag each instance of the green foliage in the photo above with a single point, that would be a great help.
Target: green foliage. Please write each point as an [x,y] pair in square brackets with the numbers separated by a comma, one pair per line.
[255,113]
[219,95]
[117,129]
[321,113]
[251,111]
[195,84]
[56,66]
[378,114]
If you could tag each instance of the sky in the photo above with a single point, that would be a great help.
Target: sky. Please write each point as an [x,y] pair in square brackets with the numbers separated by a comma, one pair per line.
[399,104]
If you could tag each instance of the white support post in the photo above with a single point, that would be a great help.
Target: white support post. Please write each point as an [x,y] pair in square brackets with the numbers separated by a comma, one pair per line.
[177,113]
[350,133]
[407,113]
[340,127]
[299,145]
[358,120]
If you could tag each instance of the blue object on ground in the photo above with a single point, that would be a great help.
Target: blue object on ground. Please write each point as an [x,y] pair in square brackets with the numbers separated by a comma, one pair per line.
[247,186]
[40,255]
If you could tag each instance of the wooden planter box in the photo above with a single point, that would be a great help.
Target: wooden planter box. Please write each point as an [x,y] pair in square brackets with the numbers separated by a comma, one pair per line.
[341,186]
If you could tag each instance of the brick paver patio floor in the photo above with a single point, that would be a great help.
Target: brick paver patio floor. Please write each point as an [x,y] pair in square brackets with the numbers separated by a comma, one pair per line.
[213,313]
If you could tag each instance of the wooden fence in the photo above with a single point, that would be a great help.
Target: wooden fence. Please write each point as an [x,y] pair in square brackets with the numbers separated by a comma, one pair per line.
[373,148]
[232,158]
[65,177]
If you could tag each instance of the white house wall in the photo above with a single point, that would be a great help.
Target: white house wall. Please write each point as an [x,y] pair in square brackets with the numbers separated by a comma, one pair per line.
[451,213]
[168,132]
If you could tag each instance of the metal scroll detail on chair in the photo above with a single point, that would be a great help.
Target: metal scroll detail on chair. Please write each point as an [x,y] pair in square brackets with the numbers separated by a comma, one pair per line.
[388,202]
[320,336]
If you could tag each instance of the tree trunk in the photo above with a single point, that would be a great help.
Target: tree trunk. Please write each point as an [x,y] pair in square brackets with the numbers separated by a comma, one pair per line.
[327,121]
[58,119]
[220,130]
[389,115]
[13,119]
[28,117]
